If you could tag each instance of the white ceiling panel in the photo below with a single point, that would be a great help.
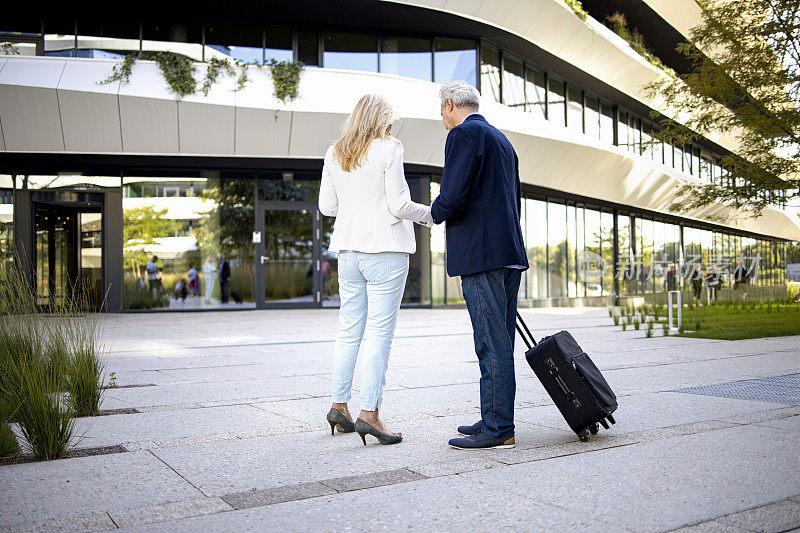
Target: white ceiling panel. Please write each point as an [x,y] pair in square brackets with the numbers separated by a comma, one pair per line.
[32,72]
[90,121]
[312,133]
[206,128]
[262,132]
[31,121]
[149,125]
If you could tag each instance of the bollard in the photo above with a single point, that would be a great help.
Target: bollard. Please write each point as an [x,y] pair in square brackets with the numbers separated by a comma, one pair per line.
[670,304]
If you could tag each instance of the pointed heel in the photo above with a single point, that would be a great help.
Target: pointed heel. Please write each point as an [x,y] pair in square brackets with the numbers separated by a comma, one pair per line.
[363,437]
[333,425]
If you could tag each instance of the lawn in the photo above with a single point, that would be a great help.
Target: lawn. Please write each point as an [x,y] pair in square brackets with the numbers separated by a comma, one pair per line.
[742,321]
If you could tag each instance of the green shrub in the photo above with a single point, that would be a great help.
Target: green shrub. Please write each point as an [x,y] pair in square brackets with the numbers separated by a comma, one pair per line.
[665,329]
[648,333]
[84,382]
[636,324]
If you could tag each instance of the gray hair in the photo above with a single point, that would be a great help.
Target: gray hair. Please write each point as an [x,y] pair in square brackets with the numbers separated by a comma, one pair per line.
[461,93]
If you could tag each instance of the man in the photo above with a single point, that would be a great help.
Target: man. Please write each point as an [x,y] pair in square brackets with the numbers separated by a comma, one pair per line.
[152,275]
[224,277]
[479,198]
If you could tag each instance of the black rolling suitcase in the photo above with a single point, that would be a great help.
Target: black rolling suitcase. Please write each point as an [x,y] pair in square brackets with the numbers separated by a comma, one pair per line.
[573,381]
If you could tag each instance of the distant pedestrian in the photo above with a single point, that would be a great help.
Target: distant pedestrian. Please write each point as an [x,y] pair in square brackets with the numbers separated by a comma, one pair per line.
[697,282]
[224,278]
[153,280]
[714,282]
[194,281]
[210,276]
[671,280]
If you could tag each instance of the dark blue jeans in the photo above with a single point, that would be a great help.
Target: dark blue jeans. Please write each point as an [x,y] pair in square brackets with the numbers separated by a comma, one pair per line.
[491,298]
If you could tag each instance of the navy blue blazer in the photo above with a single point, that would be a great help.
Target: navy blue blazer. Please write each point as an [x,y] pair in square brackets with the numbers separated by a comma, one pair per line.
[479,198]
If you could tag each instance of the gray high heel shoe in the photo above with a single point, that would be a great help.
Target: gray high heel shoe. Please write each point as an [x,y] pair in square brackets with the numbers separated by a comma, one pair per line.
[337,420]
[363,428]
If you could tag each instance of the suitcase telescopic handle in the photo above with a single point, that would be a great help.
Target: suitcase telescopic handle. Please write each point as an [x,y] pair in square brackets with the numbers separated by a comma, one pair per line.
[526,335]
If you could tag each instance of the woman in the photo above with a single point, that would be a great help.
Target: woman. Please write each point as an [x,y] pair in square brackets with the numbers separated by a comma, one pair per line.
[209,274]
[364,187]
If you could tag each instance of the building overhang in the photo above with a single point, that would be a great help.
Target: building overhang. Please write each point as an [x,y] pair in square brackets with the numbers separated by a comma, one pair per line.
[55,106]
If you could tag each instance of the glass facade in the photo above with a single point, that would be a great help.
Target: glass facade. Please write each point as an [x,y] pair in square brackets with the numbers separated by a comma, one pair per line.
[406,56]
[490,73]
[455,59]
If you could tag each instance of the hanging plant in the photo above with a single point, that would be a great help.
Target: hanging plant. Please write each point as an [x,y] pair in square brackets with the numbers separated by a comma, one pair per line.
[178,72]
[241,81]
[285,78]
[577,7]
[215,66]
[121,71]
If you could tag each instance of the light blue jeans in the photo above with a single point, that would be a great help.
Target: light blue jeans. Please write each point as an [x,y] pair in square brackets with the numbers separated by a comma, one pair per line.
[371,289]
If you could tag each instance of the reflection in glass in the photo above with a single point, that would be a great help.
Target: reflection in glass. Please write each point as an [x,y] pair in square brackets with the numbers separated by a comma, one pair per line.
[454,59]
[574,109]
[289,255]
[351,51]
[536,246]
[557,248]
[572,271]
[278,44]
[490,72]
[622,130]
[91,257]
[406,56]
[308,48]
[438,273]
[513,83]
[607,232]
[189,235]
[591,117]
[606,123]
[556,110]
[536,92]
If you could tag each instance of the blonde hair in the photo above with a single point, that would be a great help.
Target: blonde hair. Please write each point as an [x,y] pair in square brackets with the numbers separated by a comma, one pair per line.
[371,119]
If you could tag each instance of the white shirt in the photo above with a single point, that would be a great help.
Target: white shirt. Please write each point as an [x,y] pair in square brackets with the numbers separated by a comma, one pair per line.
[372,204]
[152,271]
[209,268]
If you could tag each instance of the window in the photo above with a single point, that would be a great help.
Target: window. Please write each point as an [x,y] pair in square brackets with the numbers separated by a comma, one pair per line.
[490,72]
[536,246]
[513,83]
[308,48]
[454,59]
[575,109]
[706,170]
[536,92]
[557,248]
[687,159]
[278,44]
[406,56]
[606,123]
[622,130]
[556,101]
[351,51]
[591,116]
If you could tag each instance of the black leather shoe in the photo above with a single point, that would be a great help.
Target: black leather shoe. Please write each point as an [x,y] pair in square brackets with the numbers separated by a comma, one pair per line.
[481,441]
[471,430]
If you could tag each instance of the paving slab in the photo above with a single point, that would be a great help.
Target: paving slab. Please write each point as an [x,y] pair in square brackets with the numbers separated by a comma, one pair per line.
[772,518]
[167,425]
[694,479]
[168,511]
[441,504]
[68,488]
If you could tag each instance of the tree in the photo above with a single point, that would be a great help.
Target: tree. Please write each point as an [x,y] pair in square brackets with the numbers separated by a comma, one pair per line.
[141,227]
[746,81]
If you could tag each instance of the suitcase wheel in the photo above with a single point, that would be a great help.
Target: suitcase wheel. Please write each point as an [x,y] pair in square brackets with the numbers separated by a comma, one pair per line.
[605,424]
[584,435]
[594,428]
[611,419]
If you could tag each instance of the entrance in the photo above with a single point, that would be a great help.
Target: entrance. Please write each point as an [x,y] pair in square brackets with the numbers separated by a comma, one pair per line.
[288,267]
[67,255]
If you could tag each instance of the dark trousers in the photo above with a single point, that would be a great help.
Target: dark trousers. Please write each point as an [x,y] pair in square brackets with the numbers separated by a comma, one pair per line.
[223,287]
[491,298]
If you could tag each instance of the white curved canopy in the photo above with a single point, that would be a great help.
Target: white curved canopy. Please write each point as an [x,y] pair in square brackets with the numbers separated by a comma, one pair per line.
[56,105]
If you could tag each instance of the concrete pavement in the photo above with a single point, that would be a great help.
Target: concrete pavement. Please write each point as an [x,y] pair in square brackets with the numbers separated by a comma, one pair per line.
[230,434]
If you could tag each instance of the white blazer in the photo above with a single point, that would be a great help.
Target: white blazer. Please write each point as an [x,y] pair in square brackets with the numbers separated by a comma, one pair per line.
[372,204]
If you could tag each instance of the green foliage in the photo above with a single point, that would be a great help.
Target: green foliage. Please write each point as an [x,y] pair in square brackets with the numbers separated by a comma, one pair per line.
[648,332]
[743,320]
[577,7]
[141,227]
[215,66]
[619,25]
[665,329]
[285,78]
[8,441]
[745,81]
[243,77]
[121,71]
[616,320]
[178,72]
[84,382]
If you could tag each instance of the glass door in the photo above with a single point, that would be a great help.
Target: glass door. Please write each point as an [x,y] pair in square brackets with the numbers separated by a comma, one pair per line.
[288,260]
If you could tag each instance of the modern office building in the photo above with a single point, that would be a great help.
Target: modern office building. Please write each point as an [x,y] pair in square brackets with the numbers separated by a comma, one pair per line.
[97,178]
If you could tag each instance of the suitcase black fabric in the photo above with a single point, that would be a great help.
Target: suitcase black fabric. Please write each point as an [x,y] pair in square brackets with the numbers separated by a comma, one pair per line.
[571,378]
[237,296]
